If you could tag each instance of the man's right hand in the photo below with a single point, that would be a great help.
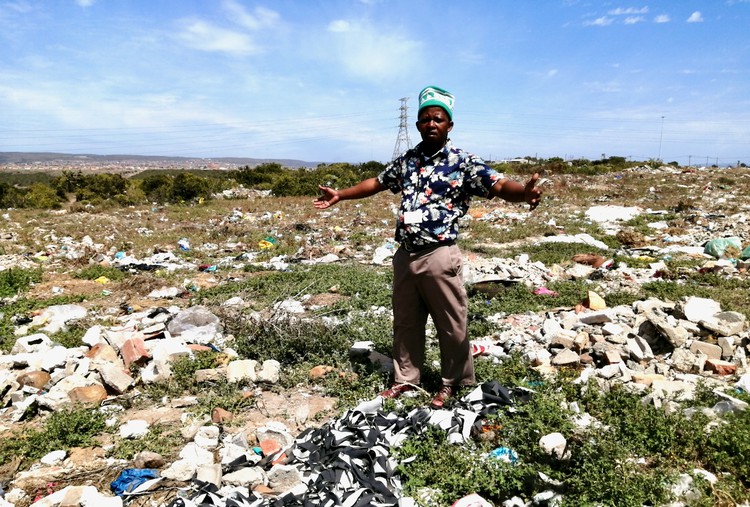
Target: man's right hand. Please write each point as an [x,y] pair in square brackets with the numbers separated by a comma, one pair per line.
[328,197]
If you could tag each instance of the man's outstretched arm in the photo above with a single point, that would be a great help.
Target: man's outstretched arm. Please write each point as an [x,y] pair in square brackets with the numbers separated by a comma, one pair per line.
[364,188]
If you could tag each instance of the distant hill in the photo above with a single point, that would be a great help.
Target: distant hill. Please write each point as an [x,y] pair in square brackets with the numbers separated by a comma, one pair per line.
[10,157]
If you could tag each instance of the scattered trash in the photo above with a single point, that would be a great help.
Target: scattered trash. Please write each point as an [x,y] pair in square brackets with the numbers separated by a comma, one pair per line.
[130,479]
[724,247]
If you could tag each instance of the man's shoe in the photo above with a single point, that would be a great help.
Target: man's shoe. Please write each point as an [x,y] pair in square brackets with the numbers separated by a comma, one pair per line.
[442,396]
[397,390]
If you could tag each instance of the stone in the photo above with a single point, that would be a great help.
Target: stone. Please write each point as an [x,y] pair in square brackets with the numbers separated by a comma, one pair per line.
[270,372]
[133,351]
[116,378]
[709,349]
[249,477]
[647,379]
[95,393]
[210,474]
[696,309]
[53,458]
[675,335]
[103,352]
[673,389]
[93,336]
[283,478]
[562,340]
[595,317]
[721,367]
[36,379]
[207,437]
[242,369]
[555,445]
[148,459]
[181,470]
[639,349]
[221,416]
[319,371]
[581,342]
[683,360]
[210,375]
[728,346]
[612,356]
[566,357]
[196,454]
[38,342]
[594,301]
[725,323]
[135,428]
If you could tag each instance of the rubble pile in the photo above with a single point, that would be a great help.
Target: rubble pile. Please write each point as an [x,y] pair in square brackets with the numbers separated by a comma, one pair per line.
[661,349]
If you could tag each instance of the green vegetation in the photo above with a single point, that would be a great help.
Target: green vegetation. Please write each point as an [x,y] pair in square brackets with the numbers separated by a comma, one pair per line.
[63,430]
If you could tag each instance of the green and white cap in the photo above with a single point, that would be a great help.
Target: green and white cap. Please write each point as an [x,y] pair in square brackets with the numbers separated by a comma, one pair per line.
[434,96]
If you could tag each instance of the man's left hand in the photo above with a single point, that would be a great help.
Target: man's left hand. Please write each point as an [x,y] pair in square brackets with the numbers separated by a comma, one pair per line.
[531,193]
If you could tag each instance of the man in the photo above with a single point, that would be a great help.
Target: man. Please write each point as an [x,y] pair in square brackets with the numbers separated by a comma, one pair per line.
[436,181]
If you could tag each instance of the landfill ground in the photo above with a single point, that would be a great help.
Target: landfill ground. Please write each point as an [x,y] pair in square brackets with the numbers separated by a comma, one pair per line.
[174,253]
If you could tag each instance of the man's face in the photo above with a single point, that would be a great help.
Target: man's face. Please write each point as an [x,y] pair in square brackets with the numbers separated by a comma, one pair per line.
[433,125]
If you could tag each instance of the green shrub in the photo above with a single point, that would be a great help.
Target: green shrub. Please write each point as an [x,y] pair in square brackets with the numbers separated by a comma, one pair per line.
[14,281]
[68,428]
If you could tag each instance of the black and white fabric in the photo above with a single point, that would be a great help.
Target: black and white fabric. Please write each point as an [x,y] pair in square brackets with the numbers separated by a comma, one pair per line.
[348,462]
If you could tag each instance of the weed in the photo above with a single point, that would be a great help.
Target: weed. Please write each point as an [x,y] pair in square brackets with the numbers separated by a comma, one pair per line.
[15,281]
[65,429]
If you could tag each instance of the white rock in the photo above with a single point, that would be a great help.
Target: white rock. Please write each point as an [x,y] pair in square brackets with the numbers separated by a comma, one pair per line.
[270,371]
[554,444]
[697,309]
[207,437]
[54,457]
[194,453]
[242,369]
[181,470]
[135,428]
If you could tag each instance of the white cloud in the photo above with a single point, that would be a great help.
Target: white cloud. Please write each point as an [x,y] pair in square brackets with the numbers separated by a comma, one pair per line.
[632,20]
[18,7]
[259,19]
[339,25]
[85,3]
[695,17]
[662,18]
[204,36]
[551,72]
[367,52]
[630,10]
[603,21]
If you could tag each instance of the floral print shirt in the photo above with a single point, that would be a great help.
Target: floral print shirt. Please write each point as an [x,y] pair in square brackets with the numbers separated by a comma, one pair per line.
[439,188]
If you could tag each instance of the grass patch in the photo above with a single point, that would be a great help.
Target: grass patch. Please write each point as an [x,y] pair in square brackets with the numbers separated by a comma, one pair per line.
[15,281]
[63,430]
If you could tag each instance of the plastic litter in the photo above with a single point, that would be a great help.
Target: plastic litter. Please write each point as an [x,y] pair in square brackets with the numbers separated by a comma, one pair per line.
[267,243]
[184,244]
[544,291]
[505,454]
[130,478]
[718,247]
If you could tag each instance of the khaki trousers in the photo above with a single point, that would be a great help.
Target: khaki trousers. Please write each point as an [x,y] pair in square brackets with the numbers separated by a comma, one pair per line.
[431,283]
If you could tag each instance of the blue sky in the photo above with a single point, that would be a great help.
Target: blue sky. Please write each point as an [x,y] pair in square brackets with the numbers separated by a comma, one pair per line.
[322,80]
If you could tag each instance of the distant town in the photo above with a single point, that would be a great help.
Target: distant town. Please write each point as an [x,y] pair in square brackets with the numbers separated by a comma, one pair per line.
[127,164]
